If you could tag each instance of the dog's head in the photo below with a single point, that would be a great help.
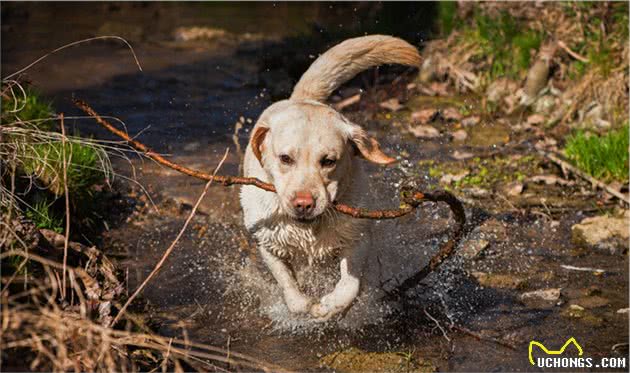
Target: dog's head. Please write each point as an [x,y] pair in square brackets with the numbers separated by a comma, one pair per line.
[307,149]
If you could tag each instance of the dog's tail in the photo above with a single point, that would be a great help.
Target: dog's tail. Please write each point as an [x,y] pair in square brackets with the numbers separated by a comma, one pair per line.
[345,60]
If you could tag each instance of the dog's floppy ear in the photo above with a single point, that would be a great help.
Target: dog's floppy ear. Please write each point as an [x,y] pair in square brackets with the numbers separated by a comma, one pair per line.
[257,142]
[367,146]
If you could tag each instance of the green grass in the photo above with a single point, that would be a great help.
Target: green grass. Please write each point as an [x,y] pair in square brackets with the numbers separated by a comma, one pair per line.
[603,157]
[509,43]
[595,45]
[447,16]
[42,215]
[45,162]
[31,107]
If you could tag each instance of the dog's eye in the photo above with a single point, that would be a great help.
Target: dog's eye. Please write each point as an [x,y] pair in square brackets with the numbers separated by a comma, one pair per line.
[285,159]
[327,162]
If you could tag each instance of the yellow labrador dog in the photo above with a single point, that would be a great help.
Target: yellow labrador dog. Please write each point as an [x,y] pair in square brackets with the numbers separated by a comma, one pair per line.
[312,154]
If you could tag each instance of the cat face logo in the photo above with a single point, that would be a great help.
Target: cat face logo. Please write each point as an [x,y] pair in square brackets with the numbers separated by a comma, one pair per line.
[553,352]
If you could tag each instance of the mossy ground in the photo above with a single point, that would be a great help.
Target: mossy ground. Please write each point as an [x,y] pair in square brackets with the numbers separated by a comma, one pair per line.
[485,172]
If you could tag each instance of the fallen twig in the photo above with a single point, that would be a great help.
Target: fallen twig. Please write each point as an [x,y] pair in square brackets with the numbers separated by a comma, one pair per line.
[582,269]
[568,166]
[168,251]
[347,102]
[437,323]
[573,54]
[411,199]
[66,239]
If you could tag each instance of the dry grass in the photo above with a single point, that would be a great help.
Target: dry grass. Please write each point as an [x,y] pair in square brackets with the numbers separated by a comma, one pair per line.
[43,331]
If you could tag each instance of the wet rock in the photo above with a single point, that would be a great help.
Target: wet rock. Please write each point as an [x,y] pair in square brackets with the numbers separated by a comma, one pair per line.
[471,121]
[499,89]
[541,299]
[459,135]
[424,132]
[607,233]
[593,301]
[355,360]
[425,116]
[473,248]
[500,281]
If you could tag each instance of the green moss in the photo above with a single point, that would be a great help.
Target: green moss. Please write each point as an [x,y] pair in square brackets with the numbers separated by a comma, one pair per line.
[485,173]
[603,157]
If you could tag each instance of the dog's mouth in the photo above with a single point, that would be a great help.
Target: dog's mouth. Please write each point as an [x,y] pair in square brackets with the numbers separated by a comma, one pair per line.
[304,218]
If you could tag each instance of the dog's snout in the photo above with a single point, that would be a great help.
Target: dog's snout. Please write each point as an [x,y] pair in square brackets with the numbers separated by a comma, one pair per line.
[303,202]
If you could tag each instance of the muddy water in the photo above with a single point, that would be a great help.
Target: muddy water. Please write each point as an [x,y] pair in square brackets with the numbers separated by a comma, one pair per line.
[214,289]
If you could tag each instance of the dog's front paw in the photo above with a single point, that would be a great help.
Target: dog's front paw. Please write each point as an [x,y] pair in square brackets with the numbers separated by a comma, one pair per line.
[298,303]
[325,310]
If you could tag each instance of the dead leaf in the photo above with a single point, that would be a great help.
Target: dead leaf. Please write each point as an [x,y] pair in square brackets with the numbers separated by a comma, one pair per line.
[440,88]
[451,114]
[477,192]
[392,104]
[459,135]
[550,180]
[471,121]
[424,116]
[461,155]
[426,132]
[535,119]
[450,178]
[513,189]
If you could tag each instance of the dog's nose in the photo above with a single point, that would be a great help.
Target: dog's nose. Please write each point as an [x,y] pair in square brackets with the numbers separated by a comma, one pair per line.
[303,202]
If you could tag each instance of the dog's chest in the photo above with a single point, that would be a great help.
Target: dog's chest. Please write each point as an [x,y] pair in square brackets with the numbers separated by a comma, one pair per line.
[286,238]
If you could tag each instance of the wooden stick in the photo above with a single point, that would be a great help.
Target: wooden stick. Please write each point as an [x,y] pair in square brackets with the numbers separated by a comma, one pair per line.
[564,164]
[411,199]
[236,180]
